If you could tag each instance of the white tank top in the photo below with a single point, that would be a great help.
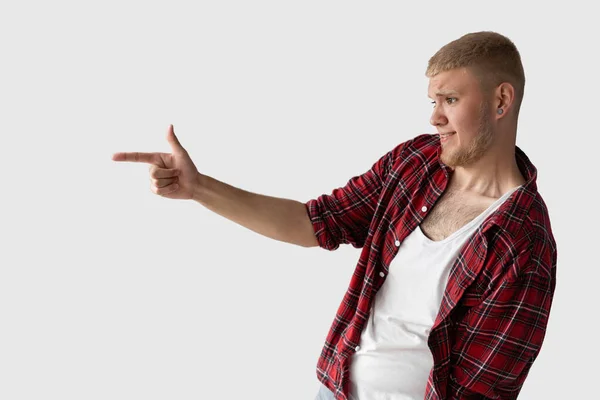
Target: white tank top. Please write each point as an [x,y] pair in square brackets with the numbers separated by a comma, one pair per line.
[393,360]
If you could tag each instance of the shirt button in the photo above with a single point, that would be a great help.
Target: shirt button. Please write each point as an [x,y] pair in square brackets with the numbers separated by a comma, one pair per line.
[381,274]
[397,243]
[357,348]
[423,208]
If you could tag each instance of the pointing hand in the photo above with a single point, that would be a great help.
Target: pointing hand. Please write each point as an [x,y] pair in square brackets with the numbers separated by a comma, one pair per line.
[173,175]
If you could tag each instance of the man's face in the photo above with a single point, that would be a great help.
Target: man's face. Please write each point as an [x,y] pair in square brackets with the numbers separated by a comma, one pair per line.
[460,109]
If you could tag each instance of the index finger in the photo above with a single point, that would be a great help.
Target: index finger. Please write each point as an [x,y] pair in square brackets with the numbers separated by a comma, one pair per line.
[151,158]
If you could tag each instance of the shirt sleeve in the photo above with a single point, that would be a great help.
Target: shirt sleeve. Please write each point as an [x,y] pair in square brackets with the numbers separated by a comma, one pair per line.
[344,216]
[498,341]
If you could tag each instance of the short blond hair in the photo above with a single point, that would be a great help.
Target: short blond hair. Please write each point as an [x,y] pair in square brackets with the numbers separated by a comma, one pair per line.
[490,56]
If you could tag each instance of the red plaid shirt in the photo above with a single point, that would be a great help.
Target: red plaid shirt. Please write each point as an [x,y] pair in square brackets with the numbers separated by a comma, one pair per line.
[494,312]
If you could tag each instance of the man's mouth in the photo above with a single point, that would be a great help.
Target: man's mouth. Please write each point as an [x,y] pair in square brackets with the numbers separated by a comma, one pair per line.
[445,136]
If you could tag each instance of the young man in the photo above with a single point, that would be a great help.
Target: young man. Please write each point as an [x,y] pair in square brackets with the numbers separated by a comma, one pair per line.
[452,292]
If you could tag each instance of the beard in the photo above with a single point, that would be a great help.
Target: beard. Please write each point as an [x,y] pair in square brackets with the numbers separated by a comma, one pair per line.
[473,151]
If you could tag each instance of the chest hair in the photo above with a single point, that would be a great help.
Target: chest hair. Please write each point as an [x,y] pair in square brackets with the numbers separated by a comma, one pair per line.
[452,211]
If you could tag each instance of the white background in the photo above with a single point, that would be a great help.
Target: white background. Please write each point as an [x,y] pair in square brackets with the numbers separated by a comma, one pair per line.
[108,291]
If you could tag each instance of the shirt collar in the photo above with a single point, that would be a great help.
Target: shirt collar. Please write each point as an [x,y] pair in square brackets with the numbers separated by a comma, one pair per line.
[511,214]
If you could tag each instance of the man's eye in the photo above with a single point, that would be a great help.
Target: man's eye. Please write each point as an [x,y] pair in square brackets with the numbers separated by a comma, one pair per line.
[449,100]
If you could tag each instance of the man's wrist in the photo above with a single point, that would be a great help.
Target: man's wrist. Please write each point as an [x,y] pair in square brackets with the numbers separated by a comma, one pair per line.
[199,187]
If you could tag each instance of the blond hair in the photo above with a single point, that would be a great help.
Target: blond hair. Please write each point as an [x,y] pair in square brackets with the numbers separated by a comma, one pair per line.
[490,56]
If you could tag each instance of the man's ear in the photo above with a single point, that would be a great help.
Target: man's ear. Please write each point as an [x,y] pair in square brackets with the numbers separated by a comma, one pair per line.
[504,99]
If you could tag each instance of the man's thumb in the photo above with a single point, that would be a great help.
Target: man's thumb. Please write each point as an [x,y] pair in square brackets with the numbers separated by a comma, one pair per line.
[173,141]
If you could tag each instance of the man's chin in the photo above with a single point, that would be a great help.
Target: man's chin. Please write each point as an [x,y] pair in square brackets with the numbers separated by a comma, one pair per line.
[447,159]
[448,162]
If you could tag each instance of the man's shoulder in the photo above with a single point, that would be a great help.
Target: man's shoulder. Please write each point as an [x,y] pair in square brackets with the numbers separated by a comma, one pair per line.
[423,145]
[539,219]
[536,239]
[426,140]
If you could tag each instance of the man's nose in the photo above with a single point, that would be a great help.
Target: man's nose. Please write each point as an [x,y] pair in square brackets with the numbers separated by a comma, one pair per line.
[437,117]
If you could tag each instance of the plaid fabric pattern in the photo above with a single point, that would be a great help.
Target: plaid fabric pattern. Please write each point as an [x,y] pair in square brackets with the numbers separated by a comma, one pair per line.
[495,309]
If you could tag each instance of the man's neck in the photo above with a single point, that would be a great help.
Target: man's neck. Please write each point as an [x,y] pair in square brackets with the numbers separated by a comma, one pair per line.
[492,175]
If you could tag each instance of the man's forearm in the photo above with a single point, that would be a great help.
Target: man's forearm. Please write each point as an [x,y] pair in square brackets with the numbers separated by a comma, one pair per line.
[281,219]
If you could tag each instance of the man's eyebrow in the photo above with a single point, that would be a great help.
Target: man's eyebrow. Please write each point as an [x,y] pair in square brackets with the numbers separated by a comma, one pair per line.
[445,93]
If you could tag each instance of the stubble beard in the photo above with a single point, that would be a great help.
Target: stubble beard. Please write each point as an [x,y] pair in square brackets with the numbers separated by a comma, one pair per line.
[478,146]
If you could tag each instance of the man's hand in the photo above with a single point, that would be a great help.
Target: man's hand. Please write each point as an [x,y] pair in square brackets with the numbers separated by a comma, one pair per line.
[174,175]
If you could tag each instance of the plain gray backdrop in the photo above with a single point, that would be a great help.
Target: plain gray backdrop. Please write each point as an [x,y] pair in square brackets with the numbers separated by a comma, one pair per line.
[108,291]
